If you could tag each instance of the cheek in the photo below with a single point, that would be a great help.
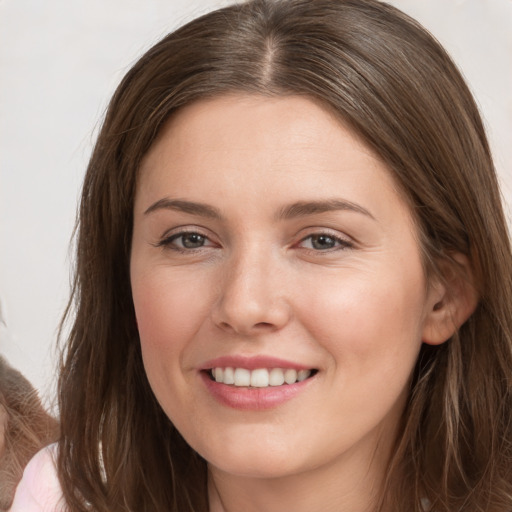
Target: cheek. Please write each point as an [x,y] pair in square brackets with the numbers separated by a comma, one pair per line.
[169,312]
[369,317]
[371,328]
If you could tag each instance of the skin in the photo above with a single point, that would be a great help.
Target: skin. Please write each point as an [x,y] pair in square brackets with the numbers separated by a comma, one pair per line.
[356,311]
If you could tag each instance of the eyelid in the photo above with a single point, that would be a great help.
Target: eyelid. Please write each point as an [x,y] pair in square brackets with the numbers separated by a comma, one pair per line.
[344,241]
[165,241]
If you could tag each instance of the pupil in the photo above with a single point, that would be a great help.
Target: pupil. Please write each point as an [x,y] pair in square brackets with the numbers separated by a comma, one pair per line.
[193,240]
[322,242]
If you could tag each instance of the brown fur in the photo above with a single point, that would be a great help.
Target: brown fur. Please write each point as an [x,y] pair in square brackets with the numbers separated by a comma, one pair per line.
[25,427]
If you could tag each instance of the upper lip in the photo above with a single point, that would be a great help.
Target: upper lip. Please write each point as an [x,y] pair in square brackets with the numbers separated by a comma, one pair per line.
[252,363]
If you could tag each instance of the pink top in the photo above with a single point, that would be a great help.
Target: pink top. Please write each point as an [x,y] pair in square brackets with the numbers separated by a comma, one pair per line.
[39,489]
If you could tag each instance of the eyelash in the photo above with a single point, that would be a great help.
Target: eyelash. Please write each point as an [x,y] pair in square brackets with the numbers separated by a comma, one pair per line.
[168,241]
[340,243]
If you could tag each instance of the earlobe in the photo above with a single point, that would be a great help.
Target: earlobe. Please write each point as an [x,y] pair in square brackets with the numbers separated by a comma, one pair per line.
[452,298]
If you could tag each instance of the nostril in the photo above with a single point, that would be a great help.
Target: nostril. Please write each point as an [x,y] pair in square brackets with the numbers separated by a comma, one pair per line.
[263,324]
[226,326]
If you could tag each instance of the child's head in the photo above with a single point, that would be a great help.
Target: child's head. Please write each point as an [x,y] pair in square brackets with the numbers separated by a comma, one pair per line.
[25,427]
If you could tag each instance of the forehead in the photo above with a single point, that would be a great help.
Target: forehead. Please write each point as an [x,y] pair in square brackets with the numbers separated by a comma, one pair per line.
[290,142]
[300,116]
[252,124]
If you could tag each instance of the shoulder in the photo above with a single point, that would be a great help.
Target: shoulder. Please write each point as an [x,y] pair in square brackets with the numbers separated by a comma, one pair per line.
[39,489]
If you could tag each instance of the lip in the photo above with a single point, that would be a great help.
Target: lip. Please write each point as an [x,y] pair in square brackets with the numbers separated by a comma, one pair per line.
[251,363]
[252,399]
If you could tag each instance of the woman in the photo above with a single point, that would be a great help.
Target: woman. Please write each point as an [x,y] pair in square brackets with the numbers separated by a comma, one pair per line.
[293,276]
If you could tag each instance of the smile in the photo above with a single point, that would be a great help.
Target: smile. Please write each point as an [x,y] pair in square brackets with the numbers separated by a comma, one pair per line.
[259,377]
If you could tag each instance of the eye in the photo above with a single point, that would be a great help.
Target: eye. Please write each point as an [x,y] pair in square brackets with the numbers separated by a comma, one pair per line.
[190,240]
[324,242]
[185,241]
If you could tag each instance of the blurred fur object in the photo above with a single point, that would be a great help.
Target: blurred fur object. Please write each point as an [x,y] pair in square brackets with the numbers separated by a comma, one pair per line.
[25,428]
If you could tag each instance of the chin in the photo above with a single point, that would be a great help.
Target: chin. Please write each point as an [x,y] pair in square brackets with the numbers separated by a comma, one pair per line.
[256,460]
[266,468]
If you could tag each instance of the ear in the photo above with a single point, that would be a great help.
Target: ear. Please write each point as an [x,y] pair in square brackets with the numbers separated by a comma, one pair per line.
[451,299]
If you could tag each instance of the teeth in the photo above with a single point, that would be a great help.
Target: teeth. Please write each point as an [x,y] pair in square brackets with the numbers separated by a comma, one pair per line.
[229,376]
[303,375]
[218,374]
[260,378]
[276,377]
[290,376]
[242,377]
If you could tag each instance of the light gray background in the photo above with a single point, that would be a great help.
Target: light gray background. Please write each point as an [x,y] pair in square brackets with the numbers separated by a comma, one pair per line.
[60,61]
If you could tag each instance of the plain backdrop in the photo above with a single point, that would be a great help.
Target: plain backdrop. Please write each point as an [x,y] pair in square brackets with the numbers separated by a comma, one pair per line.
[60,61]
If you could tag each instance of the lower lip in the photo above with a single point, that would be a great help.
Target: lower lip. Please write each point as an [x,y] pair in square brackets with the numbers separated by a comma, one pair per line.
[254,399]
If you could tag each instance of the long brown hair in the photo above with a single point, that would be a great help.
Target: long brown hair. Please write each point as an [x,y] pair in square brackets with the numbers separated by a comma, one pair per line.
[393,84]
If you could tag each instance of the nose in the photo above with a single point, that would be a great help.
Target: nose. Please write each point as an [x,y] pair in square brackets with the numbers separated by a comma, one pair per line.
[252,295]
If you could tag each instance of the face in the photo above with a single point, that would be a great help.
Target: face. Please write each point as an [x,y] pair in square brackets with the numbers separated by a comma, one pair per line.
[278,286]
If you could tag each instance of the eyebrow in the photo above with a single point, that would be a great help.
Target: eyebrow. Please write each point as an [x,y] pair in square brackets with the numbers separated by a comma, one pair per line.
[298,209]
[304,208]
[200,209]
